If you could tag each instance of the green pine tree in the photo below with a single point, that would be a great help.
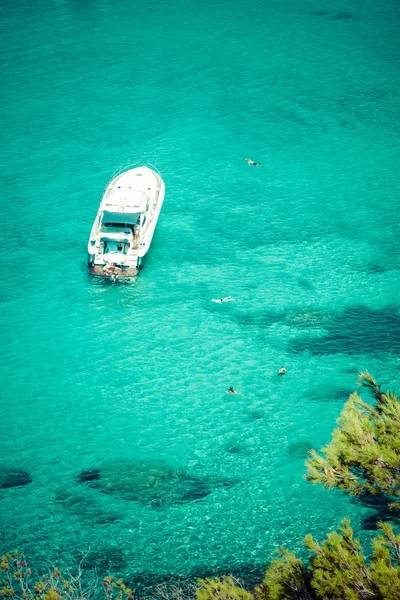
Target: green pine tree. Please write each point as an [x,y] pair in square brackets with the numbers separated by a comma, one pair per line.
[337,569]
[286,578]
[364,454]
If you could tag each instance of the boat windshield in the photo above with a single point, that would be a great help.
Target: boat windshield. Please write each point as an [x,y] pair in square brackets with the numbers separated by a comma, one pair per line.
[120,219]
[119,225]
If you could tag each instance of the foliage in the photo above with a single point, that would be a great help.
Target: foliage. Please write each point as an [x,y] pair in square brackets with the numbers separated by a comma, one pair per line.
[385,562]
[364,454]
[337,569]
[222,589]
[286,579]
[17,583]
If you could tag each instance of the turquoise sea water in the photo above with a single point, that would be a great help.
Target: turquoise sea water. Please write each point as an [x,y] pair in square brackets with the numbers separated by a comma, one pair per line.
[122,377]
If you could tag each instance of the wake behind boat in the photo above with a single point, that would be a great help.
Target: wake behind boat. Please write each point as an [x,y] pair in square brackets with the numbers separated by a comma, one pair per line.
[124,226]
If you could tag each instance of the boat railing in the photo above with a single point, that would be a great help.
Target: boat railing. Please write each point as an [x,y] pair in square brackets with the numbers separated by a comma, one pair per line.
[155,169]
[127,167]
[123,168]
[150,219]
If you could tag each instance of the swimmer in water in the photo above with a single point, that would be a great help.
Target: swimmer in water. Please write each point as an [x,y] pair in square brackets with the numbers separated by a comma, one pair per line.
[252,162]
[221,300]
[233,392]
[282,371]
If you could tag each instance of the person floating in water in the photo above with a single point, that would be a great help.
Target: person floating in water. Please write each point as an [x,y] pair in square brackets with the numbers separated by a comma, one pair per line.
[282,371]
[233,392]
[221,300]
[252,162]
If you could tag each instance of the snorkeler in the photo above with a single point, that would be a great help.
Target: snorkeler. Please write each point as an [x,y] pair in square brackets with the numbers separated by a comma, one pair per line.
[221,300]
[252,162]
[233,392]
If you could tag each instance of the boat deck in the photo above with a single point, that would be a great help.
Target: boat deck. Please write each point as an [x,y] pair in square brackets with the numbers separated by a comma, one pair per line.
[129,272]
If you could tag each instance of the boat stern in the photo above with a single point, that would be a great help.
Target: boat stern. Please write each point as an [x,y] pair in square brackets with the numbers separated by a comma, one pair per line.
[113,271]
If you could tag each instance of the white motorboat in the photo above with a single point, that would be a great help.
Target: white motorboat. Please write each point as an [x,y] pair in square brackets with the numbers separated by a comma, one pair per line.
[124,226]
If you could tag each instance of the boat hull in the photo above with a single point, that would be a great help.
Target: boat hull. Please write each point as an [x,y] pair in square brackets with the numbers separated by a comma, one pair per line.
[131,234]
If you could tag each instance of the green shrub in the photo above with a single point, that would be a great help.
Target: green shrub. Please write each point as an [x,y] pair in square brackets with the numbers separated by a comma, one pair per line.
[221,589]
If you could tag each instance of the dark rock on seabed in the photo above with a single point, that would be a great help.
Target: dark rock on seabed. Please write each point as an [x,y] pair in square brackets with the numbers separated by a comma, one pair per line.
[343,16]
[329,394]
[357,330]
[152,482]
[10,478]
[89,475]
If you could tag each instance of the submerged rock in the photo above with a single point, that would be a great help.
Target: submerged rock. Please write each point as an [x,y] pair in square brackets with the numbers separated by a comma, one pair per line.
[357,330]
[106,559]
[13,477]
[86,506]
[308,318]
[237,445]
[256,414]
[343,16]
[89,475]
[300,449]
[328,393]
[155,483]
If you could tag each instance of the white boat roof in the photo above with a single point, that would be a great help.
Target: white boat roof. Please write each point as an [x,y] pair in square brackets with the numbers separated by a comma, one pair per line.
[130,190]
